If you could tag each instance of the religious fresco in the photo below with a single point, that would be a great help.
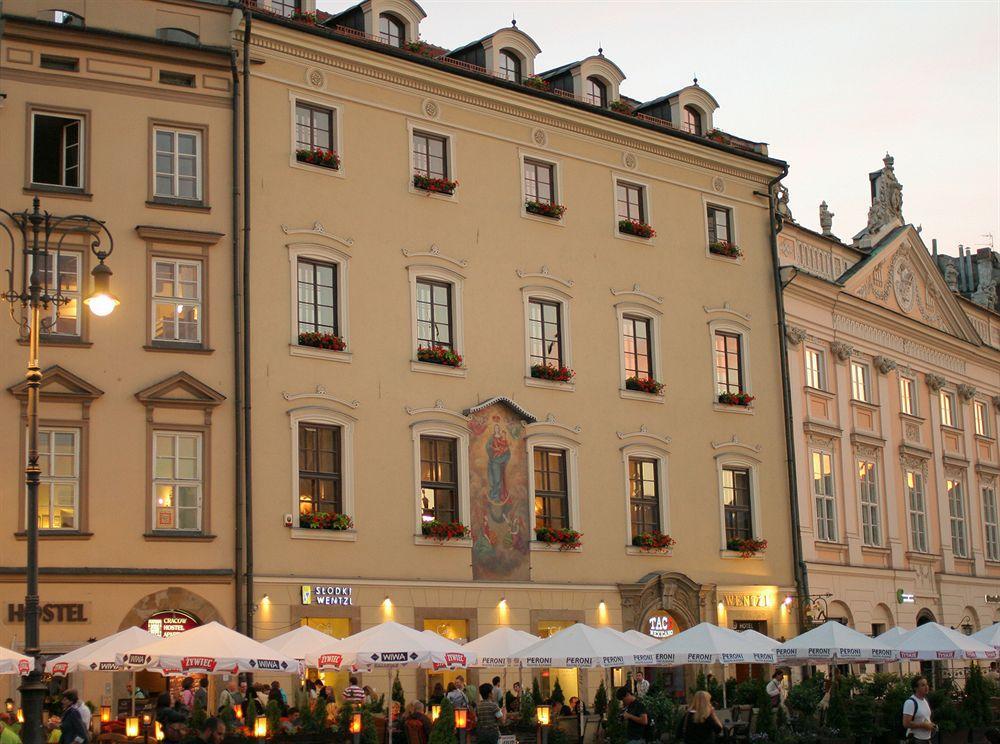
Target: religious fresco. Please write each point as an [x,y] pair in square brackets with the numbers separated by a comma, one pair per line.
[498,475]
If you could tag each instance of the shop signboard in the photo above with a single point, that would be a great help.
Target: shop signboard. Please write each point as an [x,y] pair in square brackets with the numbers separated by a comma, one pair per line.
[661,625]
[336,595]
[169,623]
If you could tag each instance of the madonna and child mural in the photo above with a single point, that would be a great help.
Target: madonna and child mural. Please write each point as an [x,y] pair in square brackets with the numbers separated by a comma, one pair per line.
[498,488]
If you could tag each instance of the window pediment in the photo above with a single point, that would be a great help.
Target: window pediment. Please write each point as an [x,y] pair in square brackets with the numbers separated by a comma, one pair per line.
[59,384]
[180,390]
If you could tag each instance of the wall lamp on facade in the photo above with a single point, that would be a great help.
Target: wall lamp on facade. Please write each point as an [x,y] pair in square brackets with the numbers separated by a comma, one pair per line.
[787,275]
[502,604]
[9,704]
[787,601]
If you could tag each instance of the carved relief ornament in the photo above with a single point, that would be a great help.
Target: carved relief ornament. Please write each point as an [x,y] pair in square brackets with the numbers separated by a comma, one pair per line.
[841,350]
[935,382]
[966,392]
[795,335]
[884,364]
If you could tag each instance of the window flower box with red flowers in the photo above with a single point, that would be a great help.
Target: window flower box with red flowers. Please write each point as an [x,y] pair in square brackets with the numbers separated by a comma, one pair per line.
[326,521]
[747,547]
[634,227]
[644,385]
[736,399]
[318,156]
[545,209]
[439,355]
[565,539]
[322,341]
[621,107]
[435,185]
[443,531]
[552,372]
[419,47]
[536,82]
[653,542]
[307,18]
[725,248]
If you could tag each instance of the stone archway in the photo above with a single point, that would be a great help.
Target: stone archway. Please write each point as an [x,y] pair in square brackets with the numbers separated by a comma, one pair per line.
[171,598]
[673,592]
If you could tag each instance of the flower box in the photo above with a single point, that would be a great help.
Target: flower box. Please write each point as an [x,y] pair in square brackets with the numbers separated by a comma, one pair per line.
[736,399]
[565,539]
[725,248]
[536,82]
[439,355]
[435,185]
[545,209]
[747,547]
[644,385]
[653,541]
[322,341]
[307,18]
[634,227]
[443,531]
[326,521]
[621,107]
[419,47]
[318,156]
[552,372]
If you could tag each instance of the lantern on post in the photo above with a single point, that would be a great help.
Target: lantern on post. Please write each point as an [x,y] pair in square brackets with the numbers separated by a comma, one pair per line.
[461,723]
[105,714]
[9,705]
[132,727]
[354,727]
[158,731]
[20,715]
[147,718]
[435,712]
[543,714]
[260,727]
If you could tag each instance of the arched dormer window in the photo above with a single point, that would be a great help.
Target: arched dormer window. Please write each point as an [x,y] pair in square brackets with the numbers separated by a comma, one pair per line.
[692,120]
[178,35]
[510,66]
[391,30]
[595,92]
[63,17]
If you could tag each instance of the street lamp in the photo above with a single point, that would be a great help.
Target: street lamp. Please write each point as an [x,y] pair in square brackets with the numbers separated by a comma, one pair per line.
[28,287]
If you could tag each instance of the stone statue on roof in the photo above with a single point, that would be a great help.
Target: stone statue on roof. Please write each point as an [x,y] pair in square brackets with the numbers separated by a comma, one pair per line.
[887,197]
[781,204]
[826,219]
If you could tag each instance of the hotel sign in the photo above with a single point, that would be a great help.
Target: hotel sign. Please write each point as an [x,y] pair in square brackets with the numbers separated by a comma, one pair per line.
[332,595]
[169,623]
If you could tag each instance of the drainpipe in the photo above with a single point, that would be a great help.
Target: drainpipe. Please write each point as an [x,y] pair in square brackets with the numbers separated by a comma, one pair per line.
[247,438]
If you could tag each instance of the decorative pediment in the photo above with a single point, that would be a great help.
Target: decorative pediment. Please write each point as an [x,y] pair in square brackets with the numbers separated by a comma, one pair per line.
[502,400]
[59,384]
[180,390]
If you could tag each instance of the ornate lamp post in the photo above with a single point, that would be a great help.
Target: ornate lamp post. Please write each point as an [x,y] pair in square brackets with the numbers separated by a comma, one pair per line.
[28,287]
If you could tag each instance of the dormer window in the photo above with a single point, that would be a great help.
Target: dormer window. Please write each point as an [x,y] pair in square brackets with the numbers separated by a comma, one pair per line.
[391,31]
[595,92]
[286,8]
[510,66]
[178,35]
[63,17]
[692,120]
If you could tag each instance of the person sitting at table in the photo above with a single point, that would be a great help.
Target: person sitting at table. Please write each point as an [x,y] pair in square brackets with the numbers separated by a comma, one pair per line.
[700,724]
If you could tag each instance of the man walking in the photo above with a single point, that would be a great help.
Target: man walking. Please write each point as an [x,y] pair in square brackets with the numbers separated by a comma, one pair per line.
[641,685]
[775,690]
[635,716]
[72,730]
[917,713]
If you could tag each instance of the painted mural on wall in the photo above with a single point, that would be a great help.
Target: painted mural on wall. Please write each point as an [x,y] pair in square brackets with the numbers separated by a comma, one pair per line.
[498,475]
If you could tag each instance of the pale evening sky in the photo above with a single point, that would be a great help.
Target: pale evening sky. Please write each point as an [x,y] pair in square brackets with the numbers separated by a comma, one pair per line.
[830,86]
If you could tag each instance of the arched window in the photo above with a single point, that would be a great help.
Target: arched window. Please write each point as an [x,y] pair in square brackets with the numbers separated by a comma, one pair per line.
[391,31]
[63,17]
[595,92]
[177,34]
[510,66]
[692,120]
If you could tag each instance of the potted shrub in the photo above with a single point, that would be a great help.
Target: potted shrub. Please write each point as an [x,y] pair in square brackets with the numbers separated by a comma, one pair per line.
[552,372]
[435,185]
[326,521]
[308,18]
[442,531]
[621,107]
[736,399]
[318,156]
[653,541]
[565,539]
[322,341]
[644,385]
[725,248]
[439,355]
[536,82]
[747,547]
[634,227]
[545,209]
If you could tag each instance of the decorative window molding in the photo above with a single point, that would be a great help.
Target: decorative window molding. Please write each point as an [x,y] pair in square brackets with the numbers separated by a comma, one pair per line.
[636,291]
[317,230]
[544,273]
[571,448]
[653,318]
[329,255]
[737,461]
[563,300]
[558,189]
[451,164]
[659,455]
[643,433]
[437,408]
[457,283]
[731,208]
[733,444]
[727,310]
[730,323]
[550,421]
[337,110]
[321,393]
[460,433]
[645,206]
[435,252]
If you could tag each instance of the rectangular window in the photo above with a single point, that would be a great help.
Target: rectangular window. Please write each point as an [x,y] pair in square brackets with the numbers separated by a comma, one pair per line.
[956,514]
[59,486]
[434,321]
[991,520]
[545,332]
[644,495]
[737,503]
[860,389]
[982,416]
[177,300]
[317,297]
[719,220]
[916,506]
[439,479]
[948,417]
[630,202]
[826,506]
[56,150]
[286,8]
[814,368]
[430,155]
[177,480]
[907,396]
[63,319]
[177,173]
[539,182]
[320,469]
[638,345]
[871,512]
[314,127]
[728,362]
[551,489]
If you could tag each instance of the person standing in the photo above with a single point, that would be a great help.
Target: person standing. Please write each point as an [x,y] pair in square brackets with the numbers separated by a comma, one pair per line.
[489,716]
[85,714]
[7,734]
[201,694]
[512,701]
[456,694]
[635,716]
[917,712]
[641,684]
[353,693]
[700,724]
[71,724]
[187,694]
[496,694]
[775,689]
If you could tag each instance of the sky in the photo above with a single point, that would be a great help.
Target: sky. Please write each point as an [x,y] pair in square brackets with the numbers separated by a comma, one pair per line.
[830,86]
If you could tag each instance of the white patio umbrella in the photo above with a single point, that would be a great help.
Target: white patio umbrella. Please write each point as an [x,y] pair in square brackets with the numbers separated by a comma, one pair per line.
[990,635]
[11,662]
[296,643]
[581,647]
[496,648]
[102,654]
[208,649]
[935,642]
[891,636]
[833,643]
[761,639]
[640,639]
[389,646]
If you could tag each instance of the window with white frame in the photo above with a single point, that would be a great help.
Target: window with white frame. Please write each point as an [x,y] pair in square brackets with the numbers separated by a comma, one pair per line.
[59,484]
[644,494]
[991,522]
[544,332]
[916,507]
[729,370]
[62,319]
[871,510]
[439,491]
[720,221]
[177,301]
[949,414]
[315,127]
[631,201]
[982,417]
[861,382]
[177,164]
[737,503]
[434,313]
[908,395]
[57,149]
[956,515]
[551,487]
[539,181]
[317,297]
[177,480]
[826,505]
[815,370]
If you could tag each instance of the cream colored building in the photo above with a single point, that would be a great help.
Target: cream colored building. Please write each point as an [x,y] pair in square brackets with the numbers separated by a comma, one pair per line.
[895,381]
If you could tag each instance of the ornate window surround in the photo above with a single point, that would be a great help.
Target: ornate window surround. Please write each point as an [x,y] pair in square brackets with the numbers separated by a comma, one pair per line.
[717,200]
[654,316]
[647,204]
[558,186]
[730,457]
[315,99]
[564,300]
[326,254]
[457,282]
[460,433]
[730,321]
[572,449]
[647,451]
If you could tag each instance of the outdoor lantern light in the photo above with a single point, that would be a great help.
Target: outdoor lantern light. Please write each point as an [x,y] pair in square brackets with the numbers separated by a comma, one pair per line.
[105,713]
[788,600]
[20,715]
[544,714]
[355,725]
[435,712]
[100,301]
[132,727]
[158,731]
[461,718]
[10,705]
[260,727]
[239,712]
[147,718]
